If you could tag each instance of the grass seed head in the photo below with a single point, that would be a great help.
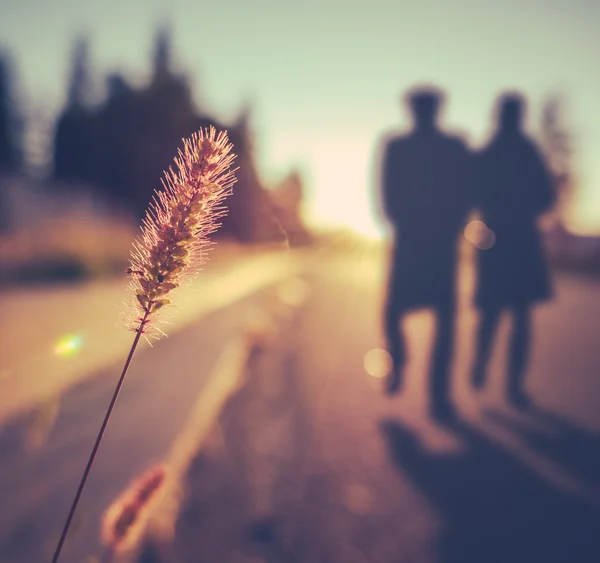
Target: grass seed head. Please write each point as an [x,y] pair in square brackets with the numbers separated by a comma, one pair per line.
[174,240]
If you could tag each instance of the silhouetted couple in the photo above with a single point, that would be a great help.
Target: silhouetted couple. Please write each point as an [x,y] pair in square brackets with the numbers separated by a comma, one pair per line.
[430,185]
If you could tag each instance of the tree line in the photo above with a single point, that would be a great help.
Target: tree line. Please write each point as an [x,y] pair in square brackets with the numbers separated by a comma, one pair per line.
[122,145]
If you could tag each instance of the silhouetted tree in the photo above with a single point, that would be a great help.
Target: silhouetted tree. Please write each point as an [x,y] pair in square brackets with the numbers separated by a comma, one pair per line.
[162,53]
[163,115]
[124,145]
[556,141]
[79,82]
[251,214]
[287,198]
[10,122]
[117,124]
[74,156]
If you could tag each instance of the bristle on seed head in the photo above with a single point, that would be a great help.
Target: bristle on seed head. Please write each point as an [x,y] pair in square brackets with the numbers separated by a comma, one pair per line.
[174,240]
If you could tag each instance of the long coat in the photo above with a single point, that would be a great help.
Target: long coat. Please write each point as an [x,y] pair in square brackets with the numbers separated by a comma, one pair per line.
[513,187]
[426,198]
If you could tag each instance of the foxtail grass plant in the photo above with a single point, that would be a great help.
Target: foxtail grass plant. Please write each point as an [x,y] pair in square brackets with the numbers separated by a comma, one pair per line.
[122,520]
[171,248]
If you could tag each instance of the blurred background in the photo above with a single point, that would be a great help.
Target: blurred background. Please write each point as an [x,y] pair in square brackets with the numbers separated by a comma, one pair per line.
[266,402]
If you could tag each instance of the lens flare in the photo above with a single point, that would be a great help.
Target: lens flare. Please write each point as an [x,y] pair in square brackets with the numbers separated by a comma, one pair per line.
[377,362]
[68,345]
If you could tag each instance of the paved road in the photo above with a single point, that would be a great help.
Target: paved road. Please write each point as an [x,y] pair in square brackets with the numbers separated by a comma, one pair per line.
[54,336]
[44,448]
[311,462]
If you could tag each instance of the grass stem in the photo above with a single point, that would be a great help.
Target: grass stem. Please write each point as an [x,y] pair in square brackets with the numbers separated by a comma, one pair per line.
[90,462]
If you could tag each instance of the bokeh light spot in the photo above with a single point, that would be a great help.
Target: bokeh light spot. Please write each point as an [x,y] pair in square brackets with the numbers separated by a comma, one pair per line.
[377,362]
[359,499]
[294,292]
[480,235]
[68,345]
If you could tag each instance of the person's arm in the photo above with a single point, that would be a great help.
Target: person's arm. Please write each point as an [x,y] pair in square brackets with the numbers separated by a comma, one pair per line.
[471,182]
[389,184]
[543,184]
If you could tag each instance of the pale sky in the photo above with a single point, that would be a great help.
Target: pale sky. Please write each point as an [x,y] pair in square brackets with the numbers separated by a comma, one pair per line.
[325,76]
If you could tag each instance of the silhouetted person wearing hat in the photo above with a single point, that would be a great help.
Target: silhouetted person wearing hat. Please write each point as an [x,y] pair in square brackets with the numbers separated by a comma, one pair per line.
[426,198]
[513,187]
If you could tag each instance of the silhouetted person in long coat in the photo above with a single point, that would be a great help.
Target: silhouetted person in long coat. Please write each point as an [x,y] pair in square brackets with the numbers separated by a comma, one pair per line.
[425,197]
[513,187]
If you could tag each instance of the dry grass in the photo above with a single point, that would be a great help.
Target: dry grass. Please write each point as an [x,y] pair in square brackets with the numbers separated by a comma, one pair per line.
[72,245]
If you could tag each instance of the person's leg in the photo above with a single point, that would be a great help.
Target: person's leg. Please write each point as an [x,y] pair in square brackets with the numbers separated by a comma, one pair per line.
[441,363]
[395,345]
[520,343]
[488,325]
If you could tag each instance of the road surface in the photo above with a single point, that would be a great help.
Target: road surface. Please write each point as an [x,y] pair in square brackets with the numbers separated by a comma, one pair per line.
[51,406]
[309,461]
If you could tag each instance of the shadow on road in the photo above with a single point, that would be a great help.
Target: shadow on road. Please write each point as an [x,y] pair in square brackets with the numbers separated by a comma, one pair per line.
[244,484]
[43,452]
[493,508]
[574,448]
